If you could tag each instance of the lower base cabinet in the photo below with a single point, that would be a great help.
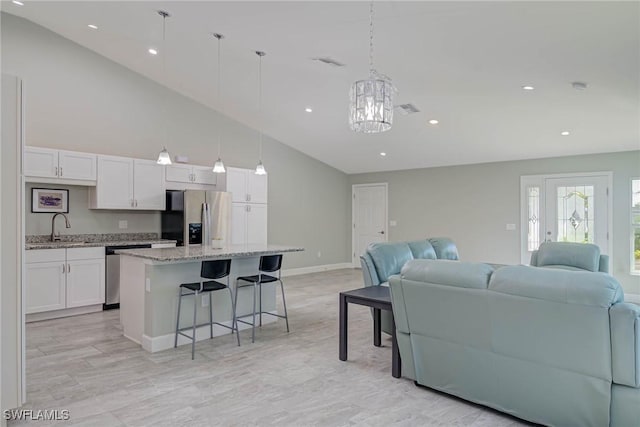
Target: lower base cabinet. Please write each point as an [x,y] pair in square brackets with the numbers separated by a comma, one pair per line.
[56,279]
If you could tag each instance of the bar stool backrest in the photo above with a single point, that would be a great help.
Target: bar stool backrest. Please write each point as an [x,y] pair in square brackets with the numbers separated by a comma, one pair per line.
[216,269]
[270,263]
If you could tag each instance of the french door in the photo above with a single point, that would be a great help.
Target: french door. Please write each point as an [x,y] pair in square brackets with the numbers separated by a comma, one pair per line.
[565,208]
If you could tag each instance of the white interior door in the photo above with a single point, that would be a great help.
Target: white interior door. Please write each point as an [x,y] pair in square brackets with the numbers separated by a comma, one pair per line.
[576,210]
[369,217]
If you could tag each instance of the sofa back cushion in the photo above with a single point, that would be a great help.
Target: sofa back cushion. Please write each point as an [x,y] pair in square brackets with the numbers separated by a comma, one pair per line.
[583,256]
[445,248]
[389,258]
[449,273]
[422,249]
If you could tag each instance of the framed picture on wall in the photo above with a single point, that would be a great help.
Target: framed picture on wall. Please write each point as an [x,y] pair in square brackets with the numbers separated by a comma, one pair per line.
[49,200]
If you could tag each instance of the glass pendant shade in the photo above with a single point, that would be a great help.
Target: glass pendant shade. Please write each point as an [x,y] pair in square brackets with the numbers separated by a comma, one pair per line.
[164,158]
[218,167]
[260,170]
[371,104]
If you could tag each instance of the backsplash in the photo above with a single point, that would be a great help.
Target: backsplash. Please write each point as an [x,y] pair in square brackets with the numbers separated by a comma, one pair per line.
[103,237]
[84,220]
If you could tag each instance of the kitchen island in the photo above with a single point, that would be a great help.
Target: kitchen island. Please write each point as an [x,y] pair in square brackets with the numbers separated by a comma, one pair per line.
[149,282]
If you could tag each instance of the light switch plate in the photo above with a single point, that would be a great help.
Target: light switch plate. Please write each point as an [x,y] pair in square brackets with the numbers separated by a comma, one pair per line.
[511,227]
[147,284]
[123,224]
[393,223]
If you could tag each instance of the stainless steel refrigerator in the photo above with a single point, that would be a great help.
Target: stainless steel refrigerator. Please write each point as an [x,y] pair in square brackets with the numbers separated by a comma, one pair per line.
[194,217]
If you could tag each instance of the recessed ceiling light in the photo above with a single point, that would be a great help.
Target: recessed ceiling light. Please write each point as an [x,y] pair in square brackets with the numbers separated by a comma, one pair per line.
[433,122]
[152,51]
[528,87]
[308,109]
[93,27]
[565,133]
[383,154]
[18,3]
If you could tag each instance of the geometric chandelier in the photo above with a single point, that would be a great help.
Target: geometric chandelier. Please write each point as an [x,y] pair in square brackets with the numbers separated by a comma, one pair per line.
[371,100]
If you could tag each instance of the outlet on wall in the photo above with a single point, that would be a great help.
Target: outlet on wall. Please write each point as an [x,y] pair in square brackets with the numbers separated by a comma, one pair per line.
[123,224]
[319,254]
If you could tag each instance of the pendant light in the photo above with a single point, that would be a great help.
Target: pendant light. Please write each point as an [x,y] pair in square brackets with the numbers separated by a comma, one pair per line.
[218,167]
[371,100]
[164,158]
[260,170]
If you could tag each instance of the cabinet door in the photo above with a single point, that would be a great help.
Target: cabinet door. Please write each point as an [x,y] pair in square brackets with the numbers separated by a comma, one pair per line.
[149,187]
[237,184]
[238,224]
[41,162]
[75,165]
[204,175]
[257,224]
[115,183]
[257,188]
[44,286]
[85,282]
[178,173]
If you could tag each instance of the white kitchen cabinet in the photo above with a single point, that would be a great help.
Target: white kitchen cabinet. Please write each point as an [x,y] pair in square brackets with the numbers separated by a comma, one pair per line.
[125,183]
[248,224]
[246,186]
[59,166]
[189,174]
[58,279]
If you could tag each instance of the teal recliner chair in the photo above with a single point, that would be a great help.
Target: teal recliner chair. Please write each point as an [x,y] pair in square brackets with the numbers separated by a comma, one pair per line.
[382,260]
[570,256]
[551,346]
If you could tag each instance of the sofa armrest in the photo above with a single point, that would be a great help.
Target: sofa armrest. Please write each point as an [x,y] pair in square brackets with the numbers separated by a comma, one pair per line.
[534,259]
[625,344]
[604,264]
[369,274]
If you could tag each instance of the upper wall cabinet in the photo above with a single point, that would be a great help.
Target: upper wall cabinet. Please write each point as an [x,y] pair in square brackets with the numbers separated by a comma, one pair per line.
[130,184]
[188,177]
[59,166]
[246,186]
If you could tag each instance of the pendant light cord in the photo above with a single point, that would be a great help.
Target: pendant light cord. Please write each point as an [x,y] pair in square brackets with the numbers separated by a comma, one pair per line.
[164,15]
[371,12]
[260,55]
[220,37]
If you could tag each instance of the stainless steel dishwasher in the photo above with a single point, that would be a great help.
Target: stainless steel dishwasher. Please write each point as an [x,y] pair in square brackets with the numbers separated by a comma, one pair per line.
[112,288]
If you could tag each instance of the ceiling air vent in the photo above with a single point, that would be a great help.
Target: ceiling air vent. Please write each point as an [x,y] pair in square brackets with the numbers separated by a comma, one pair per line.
[407,109]
[329,61]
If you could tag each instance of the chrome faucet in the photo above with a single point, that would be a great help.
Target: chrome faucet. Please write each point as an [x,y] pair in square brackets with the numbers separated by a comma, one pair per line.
[55,237]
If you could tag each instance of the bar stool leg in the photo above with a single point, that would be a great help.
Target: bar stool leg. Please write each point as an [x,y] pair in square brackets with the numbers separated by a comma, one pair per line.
[260,286]
[175,342]
[253,327]
[193,337]
[284,303]
[234,323]
[210,315]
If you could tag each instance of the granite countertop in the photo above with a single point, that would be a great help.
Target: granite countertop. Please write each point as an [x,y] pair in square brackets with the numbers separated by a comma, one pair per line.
[197,253]
[93,240]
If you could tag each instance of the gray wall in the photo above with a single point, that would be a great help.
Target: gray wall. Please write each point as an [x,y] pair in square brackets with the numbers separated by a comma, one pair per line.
[472,204]
[79,100]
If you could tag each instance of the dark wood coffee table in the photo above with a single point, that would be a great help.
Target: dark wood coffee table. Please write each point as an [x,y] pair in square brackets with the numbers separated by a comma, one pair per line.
[378,298]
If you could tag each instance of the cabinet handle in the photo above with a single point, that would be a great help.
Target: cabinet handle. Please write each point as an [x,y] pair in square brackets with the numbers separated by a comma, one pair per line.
[131,202]
[135,203]
[249,208]
[60,170]
[56,169]
[63,269]
[68,268]
[249,197]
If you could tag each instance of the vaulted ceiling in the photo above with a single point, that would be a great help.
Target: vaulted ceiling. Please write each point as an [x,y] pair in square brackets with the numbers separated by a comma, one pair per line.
[462,63]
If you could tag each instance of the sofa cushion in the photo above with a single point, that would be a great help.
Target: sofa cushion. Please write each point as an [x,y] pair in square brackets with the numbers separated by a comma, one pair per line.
[445,248]
[389,258]
[579,255]
[447,272]
[572,287]
[422,249]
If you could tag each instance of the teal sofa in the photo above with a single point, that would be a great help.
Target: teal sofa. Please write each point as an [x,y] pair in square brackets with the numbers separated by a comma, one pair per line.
[382,260]
[570,256]
[550,346]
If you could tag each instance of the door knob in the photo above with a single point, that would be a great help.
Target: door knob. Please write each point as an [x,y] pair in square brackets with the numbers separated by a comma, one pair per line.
[381,232]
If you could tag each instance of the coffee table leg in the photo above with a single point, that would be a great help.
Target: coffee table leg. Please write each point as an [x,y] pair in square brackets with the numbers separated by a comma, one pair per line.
[396,365]
[377,323]
[344,315]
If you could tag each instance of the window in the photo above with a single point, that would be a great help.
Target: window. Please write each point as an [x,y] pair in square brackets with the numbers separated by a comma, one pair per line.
[533,205]
[635,226]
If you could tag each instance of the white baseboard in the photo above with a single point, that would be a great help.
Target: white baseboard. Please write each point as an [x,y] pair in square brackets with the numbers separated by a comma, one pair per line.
[164,342]
[315,269]
[55,314]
